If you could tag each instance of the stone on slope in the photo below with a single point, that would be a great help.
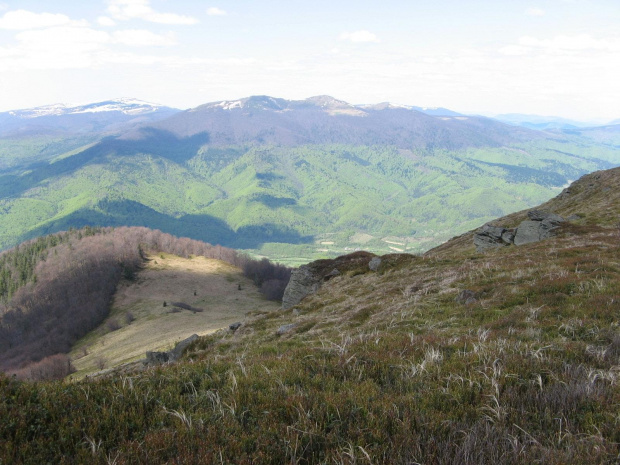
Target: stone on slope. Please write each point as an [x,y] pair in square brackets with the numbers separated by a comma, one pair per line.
[307,279]
[374,263]
[157,358]
[490,237]
[541,225]
[304,281]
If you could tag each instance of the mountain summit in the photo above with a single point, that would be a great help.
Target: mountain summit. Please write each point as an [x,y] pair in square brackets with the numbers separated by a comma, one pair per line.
[324,119]
[126,106]
[109,116]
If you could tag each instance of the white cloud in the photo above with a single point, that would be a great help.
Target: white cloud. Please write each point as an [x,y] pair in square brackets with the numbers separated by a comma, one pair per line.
[123,10]
[67,47]
[55,48]
[24,20]
[142,38]
[535,12]
[106,21]
[215,11]
[359,36]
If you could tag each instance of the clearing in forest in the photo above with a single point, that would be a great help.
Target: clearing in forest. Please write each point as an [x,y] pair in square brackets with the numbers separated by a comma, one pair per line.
[217,292]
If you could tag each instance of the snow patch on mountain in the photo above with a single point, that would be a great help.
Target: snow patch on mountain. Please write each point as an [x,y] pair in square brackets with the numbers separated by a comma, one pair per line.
[127,106]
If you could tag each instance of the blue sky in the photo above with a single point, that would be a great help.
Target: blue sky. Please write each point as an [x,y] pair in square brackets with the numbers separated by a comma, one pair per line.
[549,57]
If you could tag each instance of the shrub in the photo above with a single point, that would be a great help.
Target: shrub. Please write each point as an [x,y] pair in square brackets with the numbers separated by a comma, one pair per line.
[53,367]
[273,289]
[101,362]
[113,325]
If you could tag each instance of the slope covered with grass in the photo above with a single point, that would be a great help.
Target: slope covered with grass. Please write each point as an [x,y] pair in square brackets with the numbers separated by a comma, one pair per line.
[217,293]
[398,365]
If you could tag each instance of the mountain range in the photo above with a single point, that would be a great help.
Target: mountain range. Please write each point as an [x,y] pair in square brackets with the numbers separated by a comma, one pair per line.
[287,179]
[61,119]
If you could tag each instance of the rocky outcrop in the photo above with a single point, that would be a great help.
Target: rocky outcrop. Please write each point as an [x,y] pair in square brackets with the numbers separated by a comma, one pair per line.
[285,329]
[304,281]
[307,279]
[157,358]
[490,237]
[540,225]
[374,264]
[466,297]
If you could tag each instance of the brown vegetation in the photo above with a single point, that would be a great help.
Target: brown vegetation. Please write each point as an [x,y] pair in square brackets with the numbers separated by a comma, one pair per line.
[72,283]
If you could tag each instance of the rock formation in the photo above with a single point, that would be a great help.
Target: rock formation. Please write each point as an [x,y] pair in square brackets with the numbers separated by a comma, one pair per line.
[490,237]
[541,225]
[157,358]
[307,279]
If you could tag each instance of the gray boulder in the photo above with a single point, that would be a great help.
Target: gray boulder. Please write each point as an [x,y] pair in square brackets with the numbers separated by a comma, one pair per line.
[466,297]
[541,225]
[180,347]
[542,215]
[374,263]
[303,282]
[158,358]
[285,329]
[307,279]
[490,237]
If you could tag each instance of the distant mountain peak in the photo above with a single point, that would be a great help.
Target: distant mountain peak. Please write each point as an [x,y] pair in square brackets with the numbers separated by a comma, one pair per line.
[125,105]
[326,103]
[254,102]
[385,106]
[334,106]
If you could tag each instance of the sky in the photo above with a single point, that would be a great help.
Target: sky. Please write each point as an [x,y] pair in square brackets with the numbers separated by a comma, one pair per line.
[545,57]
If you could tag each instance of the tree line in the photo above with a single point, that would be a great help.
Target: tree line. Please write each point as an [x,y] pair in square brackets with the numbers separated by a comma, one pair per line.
[60,287]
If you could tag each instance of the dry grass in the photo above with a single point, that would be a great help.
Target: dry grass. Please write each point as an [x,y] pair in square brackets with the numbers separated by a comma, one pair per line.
[155,327]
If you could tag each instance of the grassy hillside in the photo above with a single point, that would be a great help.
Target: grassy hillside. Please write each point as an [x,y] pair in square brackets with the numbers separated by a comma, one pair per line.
[592,201]
[400,365]
[138,321]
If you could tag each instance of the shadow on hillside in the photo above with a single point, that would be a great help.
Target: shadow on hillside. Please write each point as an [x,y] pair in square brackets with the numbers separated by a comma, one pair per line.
[152,141]
[201,227]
